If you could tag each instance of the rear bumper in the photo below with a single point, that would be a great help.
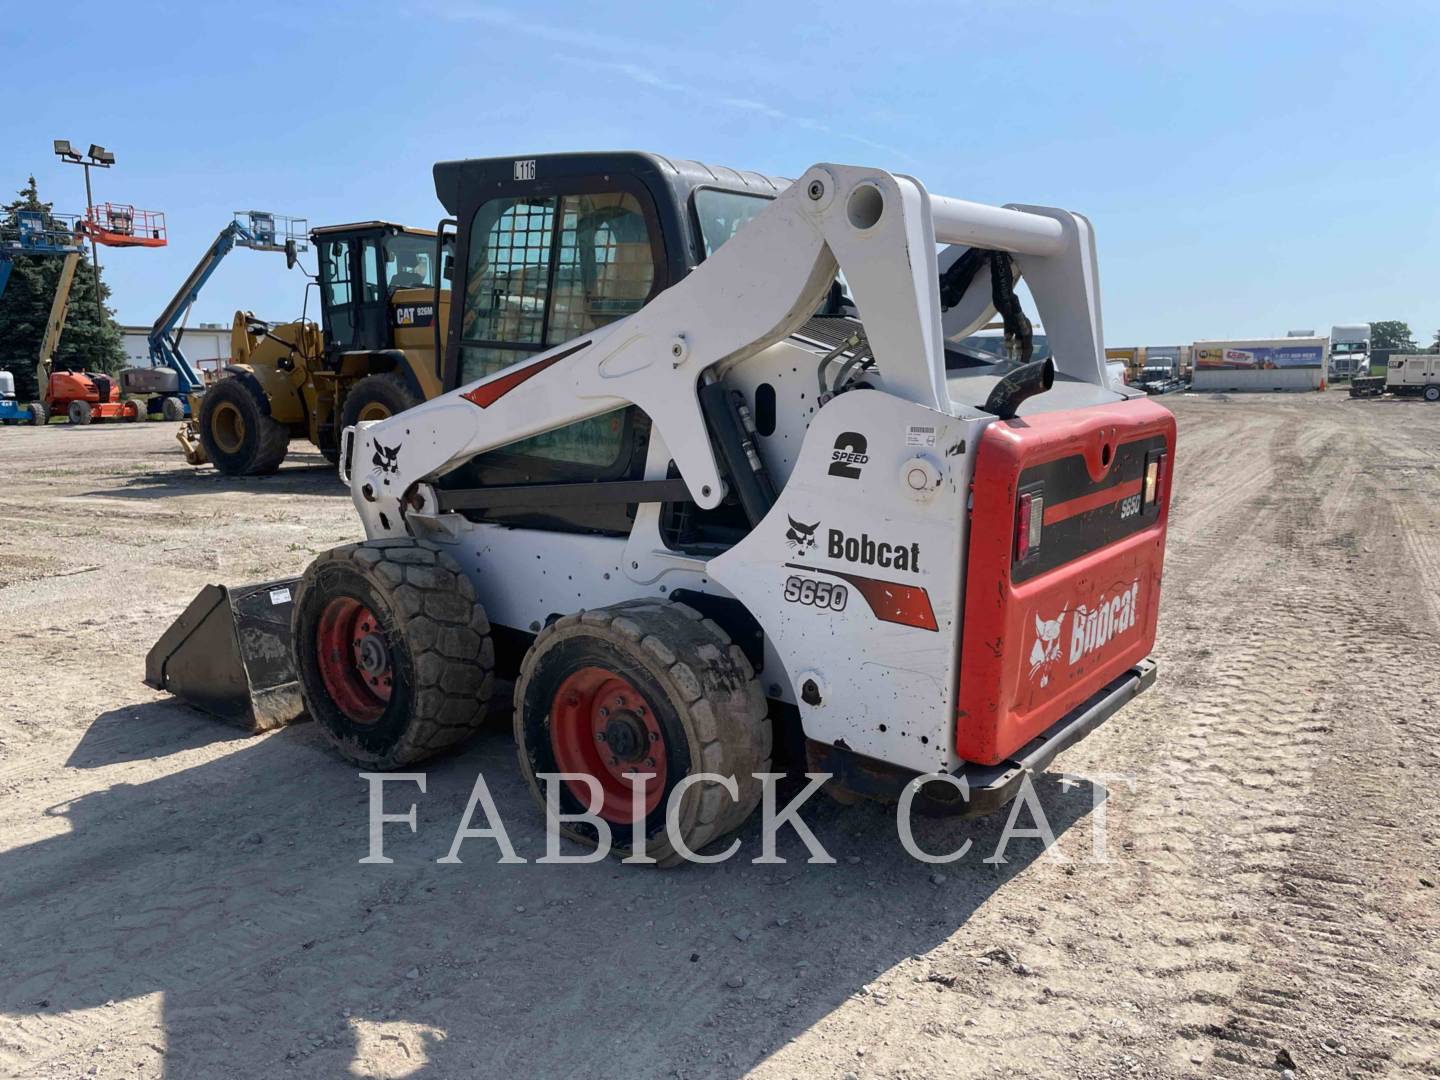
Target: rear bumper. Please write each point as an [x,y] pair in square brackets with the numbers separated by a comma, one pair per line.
[992,786]
[989,786]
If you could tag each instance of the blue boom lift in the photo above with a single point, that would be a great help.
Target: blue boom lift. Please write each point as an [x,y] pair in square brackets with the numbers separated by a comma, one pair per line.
[38,233]
[167,384]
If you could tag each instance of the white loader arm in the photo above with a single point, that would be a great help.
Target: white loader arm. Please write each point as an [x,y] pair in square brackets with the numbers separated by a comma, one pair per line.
[881,229]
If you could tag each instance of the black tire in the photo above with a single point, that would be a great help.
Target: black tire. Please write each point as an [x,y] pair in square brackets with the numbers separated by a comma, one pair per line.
[39,415]
[375,397]
[702,699]
[237,431]
[142,411]
[1432,393]
[172,409]
[79,412]
[438,655]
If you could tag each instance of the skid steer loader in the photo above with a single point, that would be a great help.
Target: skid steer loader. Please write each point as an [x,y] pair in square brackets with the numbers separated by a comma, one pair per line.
[711,465]
[375,353]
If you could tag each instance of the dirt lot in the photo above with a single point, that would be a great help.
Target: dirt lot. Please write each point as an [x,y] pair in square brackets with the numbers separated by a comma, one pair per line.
[180,901]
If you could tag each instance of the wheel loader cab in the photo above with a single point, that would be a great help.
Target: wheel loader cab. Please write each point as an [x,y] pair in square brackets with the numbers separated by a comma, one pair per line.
[381,294]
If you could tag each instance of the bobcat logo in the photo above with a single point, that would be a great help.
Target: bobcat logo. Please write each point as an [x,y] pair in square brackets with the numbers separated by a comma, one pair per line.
[387,458]
[1047,646]
[801,537]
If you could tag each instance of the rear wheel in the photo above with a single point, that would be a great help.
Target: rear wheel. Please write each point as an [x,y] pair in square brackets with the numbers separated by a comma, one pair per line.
[142,410]
[1432,393]
[173,409]
[376,397]
[238,432]
[39,415]
[642,692]
[78,412]
[394,651]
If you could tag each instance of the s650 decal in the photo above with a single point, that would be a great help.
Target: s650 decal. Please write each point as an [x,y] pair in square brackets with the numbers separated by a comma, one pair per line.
[822,594]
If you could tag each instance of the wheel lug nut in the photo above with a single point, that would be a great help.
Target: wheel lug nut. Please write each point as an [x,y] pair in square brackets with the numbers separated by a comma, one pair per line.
[654,737]
[614,761]
[599,736]
[604,711]
[649,762]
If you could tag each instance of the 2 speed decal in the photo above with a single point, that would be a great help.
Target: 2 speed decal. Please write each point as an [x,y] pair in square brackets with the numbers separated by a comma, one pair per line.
[849,455]
[821,594]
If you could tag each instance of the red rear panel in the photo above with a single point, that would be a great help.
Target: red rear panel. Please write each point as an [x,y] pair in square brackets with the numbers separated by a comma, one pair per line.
[1045,631]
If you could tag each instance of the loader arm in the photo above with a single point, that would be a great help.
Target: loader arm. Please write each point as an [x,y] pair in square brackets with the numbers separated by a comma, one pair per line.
[881,229]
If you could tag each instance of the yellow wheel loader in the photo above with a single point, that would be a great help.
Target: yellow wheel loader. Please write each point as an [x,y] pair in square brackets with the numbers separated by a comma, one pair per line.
[375,352]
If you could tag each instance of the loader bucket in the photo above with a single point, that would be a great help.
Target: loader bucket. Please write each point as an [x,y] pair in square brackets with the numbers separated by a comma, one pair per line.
[230,654]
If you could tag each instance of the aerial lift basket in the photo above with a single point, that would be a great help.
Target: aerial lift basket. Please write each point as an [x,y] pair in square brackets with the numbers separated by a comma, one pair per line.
[229,653]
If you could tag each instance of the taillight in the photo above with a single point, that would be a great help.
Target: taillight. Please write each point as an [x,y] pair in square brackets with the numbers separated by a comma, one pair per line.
[1156,469]
[1029,524]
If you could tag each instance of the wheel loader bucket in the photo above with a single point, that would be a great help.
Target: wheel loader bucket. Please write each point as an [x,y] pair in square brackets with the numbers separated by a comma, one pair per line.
[188,436]
[230,654]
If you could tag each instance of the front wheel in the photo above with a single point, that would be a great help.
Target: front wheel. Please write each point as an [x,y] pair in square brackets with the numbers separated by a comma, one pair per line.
[376,397]
[237,431]
[39,415]
[142,410]
[79,412]
[394,651]
[173,410]
[642,694]
[1432,393]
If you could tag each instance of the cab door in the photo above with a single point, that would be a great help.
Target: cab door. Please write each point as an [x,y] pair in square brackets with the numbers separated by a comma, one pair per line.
[337,292]
[372,324]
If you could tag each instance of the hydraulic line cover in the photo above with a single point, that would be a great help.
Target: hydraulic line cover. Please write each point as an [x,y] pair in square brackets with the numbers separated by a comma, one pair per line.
[230,654]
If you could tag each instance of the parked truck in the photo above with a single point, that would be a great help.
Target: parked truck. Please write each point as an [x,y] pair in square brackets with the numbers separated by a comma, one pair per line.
[1349,350]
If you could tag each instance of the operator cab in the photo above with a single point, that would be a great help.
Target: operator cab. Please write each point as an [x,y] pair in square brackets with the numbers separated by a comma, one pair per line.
[554,247]
[362,268]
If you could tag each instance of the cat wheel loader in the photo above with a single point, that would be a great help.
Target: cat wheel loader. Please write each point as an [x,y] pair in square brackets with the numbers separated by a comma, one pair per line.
[374,353]
[714,489]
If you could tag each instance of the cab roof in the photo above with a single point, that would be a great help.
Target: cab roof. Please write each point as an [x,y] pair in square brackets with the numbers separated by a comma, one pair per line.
[454,178]
[357,226]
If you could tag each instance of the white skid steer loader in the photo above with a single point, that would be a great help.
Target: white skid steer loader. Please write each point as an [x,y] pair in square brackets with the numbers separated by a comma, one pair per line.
[713,463]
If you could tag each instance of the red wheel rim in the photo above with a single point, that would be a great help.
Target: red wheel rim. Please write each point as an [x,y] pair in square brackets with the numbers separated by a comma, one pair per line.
[602,726]
[355,660]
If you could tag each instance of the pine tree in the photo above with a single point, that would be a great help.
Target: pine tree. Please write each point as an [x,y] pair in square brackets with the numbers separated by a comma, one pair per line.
[85,342]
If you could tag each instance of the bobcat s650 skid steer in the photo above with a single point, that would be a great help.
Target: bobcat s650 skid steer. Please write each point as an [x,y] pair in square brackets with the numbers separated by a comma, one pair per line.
[712,462]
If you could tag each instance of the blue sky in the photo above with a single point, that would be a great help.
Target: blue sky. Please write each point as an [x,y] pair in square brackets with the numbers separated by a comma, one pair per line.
[1250,167]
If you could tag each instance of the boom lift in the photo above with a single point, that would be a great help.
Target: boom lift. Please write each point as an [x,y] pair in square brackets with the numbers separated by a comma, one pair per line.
[688,492]
[38,233]
[374,353]
[167,384]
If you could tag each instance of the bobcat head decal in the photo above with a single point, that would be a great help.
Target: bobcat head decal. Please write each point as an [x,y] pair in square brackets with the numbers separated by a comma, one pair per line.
[801,537]
[1046,649]
[386,457]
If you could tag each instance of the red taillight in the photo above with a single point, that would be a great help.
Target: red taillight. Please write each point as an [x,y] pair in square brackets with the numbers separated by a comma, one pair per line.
[1029,524]
[1156,470]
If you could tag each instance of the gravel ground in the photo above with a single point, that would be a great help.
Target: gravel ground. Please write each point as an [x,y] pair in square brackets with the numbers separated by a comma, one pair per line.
[182,901]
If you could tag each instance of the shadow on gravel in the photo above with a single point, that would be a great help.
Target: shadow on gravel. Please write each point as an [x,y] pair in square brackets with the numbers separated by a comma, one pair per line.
[317,479]
[234,888]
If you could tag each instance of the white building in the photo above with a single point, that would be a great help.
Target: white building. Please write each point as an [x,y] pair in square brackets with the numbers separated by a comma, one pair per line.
[206,345]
